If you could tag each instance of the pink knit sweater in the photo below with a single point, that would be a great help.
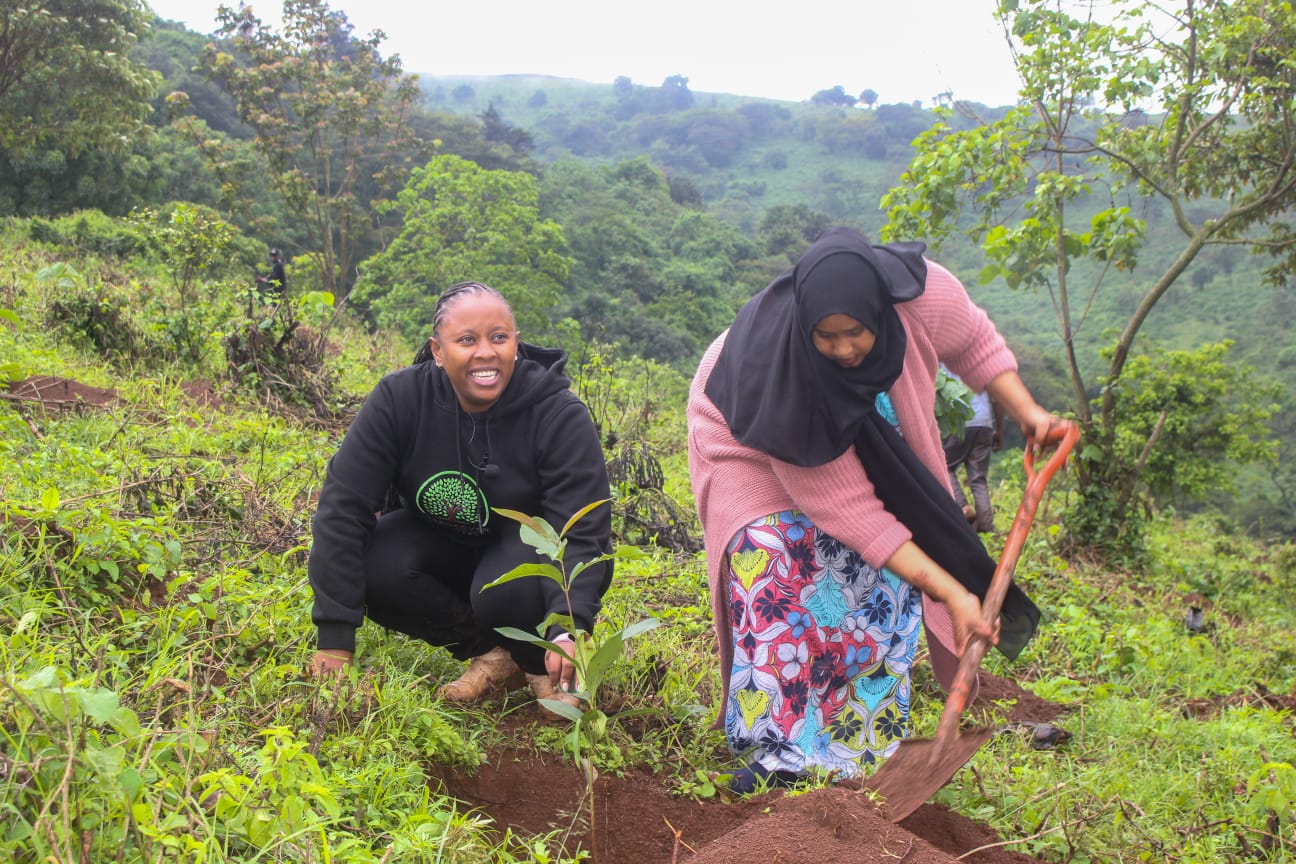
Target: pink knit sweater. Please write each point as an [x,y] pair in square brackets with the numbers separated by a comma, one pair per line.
[735,484]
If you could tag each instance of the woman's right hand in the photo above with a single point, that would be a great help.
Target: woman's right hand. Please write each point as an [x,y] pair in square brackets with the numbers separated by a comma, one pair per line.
[329,662]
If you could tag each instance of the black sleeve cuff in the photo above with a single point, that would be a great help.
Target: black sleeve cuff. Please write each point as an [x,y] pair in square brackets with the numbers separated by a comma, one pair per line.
[336,637]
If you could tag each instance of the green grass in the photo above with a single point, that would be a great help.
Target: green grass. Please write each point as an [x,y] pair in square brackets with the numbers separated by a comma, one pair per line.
[154,622]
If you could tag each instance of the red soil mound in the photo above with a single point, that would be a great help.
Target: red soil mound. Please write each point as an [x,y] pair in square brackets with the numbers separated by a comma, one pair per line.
[638,821]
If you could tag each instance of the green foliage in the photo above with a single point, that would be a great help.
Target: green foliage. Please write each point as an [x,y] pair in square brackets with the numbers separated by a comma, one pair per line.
[87,231]
[94,314]
[67,80]
[789,229]
[328,112]
[660,278]
[151,170]
[1187,420]
[1272,790]
[953,404]
[1059,181]
[174,52]
[190,240]
[460,222]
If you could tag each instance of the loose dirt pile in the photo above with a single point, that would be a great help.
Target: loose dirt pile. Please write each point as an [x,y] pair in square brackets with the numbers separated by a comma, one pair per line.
[638,820]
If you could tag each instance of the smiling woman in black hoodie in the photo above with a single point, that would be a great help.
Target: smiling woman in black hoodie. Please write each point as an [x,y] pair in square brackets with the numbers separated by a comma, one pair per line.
[480,420]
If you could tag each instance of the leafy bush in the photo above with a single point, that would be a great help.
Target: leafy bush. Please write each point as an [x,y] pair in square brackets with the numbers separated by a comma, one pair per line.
[87,231]
[101,319]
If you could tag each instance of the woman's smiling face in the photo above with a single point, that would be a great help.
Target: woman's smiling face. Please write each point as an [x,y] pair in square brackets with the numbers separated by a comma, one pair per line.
[476,344]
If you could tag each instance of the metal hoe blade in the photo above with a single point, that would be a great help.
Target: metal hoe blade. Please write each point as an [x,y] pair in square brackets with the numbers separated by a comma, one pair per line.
[920,766]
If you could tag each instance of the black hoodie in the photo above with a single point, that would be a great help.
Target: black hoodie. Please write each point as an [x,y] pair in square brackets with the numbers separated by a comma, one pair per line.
[535,451]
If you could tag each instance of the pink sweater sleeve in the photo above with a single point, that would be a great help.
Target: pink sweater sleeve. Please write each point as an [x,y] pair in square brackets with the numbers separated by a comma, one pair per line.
[945,321]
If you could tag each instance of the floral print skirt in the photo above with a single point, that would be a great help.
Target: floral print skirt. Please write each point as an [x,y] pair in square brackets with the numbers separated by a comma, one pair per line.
[823,644]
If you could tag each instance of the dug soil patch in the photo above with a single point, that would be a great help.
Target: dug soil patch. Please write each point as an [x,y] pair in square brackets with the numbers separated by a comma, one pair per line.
[54,393]
[637,820]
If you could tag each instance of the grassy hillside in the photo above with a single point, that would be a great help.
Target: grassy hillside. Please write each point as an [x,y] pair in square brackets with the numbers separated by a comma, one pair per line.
[154,601]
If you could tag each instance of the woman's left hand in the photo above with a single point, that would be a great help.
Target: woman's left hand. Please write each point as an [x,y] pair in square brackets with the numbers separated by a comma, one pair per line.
[965,613]
[1038,423]
[1035,421]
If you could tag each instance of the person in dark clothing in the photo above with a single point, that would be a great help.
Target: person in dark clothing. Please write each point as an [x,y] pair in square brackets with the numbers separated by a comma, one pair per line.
[481,420]
[273,286]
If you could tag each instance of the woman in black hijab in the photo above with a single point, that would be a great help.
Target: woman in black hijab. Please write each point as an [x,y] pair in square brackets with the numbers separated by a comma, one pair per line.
[818,467]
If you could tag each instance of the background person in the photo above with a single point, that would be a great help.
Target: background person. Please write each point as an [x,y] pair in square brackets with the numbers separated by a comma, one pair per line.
[480,420]
[971,449]
[830,530]
[273,286]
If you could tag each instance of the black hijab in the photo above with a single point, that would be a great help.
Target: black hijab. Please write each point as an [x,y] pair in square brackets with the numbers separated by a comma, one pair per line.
[779,395]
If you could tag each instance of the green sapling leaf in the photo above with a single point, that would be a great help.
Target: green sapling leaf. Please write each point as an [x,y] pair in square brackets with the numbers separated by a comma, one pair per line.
[522,636]
[562,709]
[536,533]
[529,569]
[580,514]
[604,656]
[558,619]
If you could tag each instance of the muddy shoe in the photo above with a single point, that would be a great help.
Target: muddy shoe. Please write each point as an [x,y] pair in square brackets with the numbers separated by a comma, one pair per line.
[492,671]
[543,688]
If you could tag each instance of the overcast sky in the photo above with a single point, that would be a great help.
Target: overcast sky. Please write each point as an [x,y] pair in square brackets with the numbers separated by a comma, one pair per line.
[902,49]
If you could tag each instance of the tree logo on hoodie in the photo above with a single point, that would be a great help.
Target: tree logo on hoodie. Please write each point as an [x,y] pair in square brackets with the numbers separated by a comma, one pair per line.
[454,500]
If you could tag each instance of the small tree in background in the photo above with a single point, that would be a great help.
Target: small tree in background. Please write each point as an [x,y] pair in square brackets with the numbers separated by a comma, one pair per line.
[330,115]
[1194,110]
[459,222]
[67,81]
[836,95]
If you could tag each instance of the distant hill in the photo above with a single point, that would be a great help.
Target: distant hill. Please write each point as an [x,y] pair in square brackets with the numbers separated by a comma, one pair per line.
[741,157]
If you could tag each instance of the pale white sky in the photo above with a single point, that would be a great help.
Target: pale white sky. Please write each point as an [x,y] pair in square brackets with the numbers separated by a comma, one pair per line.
[902,49]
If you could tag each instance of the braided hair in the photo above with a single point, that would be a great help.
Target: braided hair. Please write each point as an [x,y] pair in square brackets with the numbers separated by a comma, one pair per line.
[447,298]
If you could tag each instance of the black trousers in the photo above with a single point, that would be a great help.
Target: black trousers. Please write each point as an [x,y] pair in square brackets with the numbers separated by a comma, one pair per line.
[426,583]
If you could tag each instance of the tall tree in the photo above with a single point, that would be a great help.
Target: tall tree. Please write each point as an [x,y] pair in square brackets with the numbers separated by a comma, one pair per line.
[67,82]
[1191,102]
[460,222]
[837,95]
[331,120]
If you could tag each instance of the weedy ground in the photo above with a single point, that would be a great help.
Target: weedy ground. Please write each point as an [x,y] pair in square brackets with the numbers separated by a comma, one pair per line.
[154,624]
